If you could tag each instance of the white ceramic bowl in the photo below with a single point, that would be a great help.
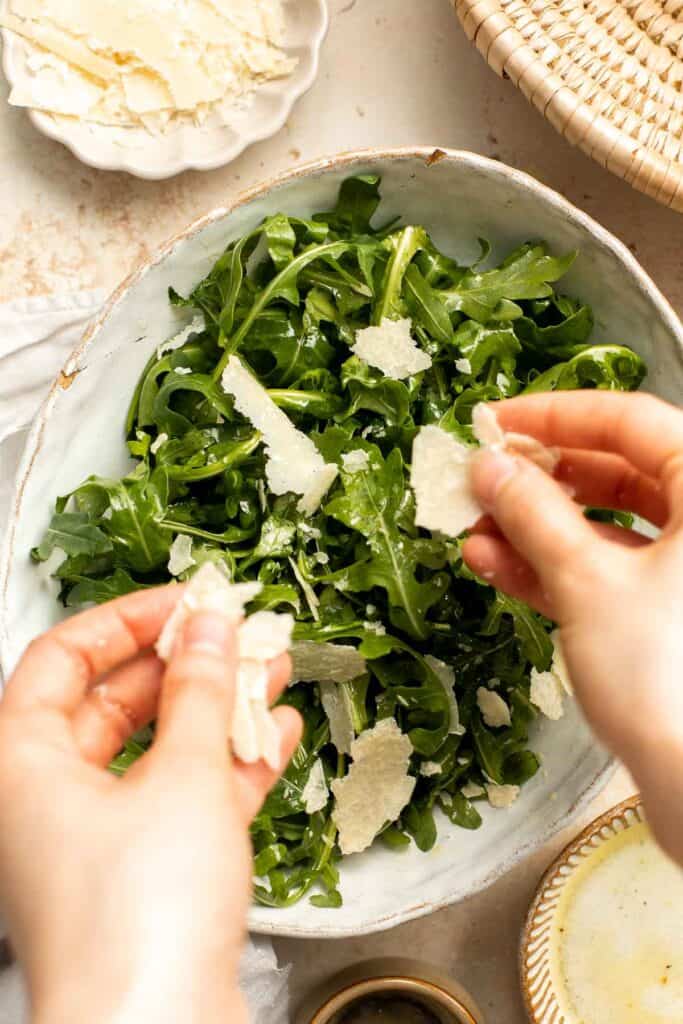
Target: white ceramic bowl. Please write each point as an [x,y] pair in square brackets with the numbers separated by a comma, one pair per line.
[458,197]
[187,147]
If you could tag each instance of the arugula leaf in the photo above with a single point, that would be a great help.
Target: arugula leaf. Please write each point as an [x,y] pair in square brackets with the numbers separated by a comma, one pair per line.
[75,534]
[357,204]
[527,273]
[370,505]
[607,367]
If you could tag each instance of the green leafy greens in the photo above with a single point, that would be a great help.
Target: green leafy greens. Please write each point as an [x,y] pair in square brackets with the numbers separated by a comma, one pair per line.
[290,296]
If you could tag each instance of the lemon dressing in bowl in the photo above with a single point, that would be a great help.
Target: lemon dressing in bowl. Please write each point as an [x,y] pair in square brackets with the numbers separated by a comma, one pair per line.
[617,944]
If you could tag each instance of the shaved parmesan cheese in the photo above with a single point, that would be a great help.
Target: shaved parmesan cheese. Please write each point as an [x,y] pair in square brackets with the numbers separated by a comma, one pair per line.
[559,665]
[440,477]
[147,63]
[180,556]
[262,637]
[494,710]
[549,688]
[182,371]
[446,677]
[158,442]
[208,590]
[501,796]
[471,790]
[392,349]
[356,461]
[546,694]
[196,326]
[376,788]
[441,465]
[294,463]
[315,793]
[463,366]
[336,702]
[325,663]
[265,635]
[430,768]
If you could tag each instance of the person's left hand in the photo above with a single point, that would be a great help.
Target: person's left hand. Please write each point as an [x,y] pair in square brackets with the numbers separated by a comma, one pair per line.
[126,899]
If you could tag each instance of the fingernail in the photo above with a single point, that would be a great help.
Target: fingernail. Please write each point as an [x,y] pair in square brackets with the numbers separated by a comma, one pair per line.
[490,469]
[209,633]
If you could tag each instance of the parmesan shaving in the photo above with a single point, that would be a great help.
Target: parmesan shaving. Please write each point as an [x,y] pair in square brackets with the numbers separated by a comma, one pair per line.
[546,694]
[336,704]
[180,556]
[446,677]
[325,663]
[441,466]
[160,440]
[392,349]
[315,793]
[376,788]
[471,790]
[294,463]
[494,710]
[149,63]
[261,638]
[501,796]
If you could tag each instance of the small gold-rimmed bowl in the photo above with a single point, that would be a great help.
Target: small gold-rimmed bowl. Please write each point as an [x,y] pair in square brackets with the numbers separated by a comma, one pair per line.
[539,987]
[392,979]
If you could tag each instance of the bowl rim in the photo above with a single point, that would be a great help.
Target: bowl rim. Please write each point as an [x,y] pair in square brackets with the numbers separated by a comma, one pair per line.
[350,160]
[141,166]
[630,812]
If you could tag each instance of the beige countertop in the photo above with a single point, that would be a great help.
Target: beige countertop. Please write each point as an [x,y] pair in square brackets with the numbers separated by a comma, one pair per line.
[394,72]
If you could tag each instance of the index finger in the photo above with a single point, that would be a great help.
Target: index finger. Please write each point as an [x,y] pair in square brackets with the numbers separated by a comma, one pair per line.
[58,667]
[645,430]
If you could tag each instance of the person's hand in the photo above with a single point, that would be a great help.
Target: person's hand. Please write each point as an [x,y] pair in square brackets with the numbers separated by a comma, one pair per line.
[126,899]
[617,595]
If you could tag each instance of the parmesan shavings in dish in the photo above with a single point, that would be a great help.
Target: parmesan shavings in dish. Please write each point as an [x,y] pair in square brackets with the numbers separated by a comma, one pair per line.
[392,349]
[548,689]
[446,677]
[337,705]
[180,556]
[441,464]
[325,663]
[294,462]
[147,63]
[315,793]
[376,788]
[501,796]
[471,790]
[261,638]
[494,710]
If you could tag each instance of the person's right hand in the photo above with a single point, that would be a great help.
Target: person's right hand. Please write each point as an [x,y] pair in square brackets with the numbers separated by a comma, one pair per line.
[617,595]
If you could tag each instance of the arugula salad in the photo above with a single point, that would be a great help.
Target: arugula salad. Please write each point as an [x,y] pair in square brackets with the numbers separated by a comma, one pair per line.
[417,637]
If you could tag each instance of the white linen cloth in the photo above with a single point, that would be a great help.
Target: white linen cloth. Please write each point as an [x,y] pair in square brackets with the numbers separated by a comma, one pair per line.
[36,337]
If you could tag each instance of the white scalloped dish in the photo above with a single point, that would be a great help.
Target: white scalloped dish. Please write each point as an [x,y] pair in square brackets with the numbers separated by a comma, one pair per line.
[185,145]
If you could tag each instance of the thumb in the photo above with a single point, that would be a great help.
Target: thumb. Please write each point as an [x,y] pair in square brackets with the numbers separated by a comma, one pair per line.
[198,690]
[537,517]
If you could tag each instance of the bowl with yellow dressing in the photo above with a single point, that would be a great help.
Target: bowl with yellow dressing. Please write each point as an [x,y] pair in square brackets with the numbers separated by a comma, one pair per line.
[603,942]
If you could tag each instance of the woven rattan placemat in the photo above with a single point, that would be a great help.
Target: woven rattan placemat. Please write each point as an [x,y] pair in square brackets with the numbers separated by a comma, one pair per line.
[607,74]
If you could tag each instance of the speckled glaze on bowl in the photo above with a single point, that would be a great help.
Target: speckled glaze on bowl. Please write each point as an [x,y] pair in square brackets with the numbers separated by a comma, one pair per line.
[458,197]
[540,998]
[187,147]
